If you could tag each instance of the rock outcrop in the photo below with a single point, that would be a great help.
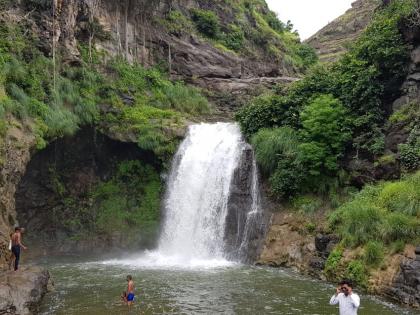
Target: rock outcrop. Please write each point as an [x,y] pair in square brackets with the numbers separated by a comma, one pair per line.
[246,222]
[410,89]
[21,292]
[289,244]
[332,41]
[406,285]
[17,145]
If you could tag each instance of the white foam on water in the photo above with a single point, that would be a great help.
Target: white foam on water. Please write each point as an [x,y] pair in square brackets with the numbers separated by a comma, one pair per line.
[155,260]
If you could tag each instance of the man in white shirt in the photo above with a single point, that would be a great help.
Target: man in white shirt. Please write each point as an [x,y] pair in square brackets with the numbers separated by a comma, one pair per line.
[348,301]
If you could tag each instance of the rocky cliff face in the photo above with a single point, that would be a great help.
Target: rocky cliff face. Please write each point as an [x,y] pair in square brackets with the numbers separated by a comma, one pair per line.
[148,33]
[410,89]
[332,41]
[406,284]
[289,243]
[17,145]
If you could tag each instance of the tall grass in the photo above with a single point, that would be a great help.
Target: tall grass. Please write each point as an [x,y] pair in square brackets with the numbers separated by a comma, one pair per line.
[271,144]
[385,213]
[152,88]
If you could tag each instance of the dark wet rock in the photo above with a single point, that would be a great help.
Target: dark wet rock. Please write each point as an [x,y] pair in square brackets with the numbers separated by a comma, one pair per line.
[406,287]
[21,292]
[317,264]
[243,239]
[324,243]
[127,99]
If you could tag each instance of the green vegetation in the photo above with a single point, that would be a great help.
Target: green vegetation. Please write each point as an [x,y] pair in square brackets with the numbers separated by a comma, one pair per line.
[332,263]
[409,152]
[306,135]
[381,219]
[357,273]
[177,23]
[306,204]
[129,200]
[158,106]
[55,105]
[384,213]
[333,111]
[374,253]
[207,22]
[296,159]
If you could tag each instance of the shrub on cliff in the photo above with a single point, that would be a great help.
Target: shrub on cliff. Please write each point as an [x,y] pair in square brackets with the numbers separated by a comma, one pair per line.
[374,253]
[207,22]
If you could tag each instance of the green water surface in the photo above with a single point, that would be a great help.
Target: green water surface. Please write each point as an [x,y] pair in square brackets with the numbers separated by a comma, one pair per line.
[94,288]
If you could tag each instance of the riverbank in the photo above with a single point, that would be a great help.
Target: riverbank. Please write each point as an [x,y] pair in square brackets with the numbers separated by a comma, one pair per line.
[22,292]
[294,241]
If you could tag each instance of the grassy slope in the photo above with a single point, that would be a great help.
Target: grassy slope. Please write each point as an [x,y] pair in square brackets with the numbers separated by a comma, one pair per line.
[243,27]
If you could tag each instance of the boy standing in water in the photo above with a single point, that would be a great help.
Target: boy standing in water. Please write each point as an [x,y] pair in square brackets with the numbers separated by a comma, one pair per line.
[128,295]
[17,245]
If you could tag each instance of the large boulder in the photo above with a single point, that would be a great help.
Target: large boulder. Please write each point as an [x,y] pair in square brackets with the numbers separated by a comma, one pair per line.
[21,292]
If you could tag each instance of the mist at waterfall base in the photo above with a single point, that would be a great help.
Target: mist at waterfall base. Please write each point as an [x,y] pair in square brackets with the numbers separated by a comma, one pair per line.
[191,271]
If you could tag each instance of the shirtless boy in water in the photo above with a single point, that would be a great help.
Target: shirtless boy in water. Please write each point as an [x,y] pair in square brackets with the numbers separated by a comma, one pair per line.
[128,296]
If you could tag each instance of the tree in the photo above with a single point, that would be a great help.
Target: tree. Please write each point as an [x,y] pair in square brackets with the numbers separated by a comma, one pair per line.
[324,134]
[324,121]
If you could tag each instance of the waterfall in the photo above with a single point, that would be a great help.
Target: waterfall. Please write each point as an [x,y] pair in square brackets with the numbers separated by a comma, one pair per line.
[196,204]
[211,210]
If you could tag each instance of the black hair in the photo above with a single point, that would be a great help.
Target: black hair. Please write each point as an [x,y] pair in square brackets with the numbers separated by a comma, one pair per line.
[17,229]
[348,282]
[129,277]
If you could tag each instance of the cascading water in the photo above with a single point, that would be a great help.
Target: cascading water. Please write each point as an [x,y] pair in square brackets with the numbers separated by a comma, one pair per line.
[195,208]
[254,217]
[196,229]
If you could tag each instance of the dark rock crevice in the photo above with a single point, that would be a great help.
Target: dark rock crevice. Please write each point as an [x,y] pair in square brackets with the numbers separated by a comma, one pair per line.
[60,178]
